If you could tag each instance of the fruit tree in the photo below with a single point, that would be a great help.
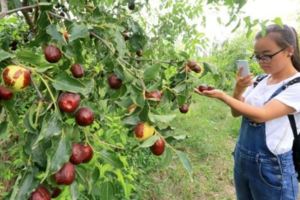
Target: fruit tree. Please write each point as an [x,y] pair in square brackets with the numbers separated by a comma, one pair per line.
[88,89]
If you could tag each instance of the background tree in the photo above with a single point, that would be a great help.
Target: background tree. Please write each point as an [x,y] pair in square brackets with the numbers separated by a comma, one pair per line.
[76,125]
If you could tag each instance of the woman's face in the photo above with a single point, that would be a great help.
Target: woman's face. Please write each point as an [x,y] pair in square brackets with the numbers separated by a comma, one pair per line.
[271,58]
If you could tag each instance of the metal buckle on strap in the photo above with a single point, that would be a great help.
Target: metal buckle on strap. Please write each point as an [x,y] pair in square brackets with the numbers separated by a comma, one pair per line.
[255,124]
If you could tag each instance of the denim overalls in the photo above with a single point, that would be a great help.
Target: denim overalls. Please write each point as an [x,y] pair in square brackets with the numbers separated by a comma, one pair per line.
[258,173]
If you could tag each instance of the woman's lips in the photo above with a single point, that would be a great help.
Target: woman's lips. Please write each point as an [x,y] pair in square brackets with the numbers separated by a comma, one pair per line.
[266,67]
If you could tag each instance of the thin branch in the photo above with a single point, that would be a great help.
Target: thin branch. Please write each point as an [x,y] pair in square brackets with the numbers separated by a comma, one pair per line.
[58,16]
[36,14]
[40,96]
[28,19]
[155,61]
[8,12]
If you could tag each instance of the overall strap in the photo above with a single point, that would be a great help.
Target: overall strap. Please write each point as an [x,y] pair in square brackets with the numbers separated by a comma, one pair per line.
[293,125]
[259,78]
[284,86]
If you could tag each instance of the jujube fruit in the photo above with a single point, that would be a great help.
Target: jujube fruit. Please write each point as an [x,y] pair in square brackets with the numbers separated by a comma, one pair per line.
[88,153]
[66,175]
[131,5]
[68,101]
[197,69]
[14,45]
[81,153]
[202,88]
[84,116]
[139,53]
[143,131]
[16,77]
[55,192]
[5,93]
[41,193]
[114,82]
[192,65]
[77,70]
[184,108]
[52,54]
[158,147]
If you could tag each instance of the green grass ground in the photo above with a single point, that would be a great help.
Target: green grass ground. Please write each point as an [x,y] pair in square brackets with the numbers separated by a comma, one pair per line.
[212,134]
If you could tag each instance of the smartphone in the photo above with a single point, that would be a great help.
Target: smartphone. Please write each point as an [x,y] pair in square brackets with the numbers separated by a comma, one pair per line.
[245,67]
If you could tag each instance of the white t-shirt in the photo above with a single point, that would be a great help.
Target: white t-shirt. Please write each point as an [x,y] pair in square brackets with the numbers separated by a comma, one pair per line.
[279,134]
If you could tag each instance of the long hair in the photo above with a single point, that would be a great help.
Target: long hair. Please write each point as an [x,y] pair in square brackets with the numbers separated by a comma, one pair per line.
[286,36]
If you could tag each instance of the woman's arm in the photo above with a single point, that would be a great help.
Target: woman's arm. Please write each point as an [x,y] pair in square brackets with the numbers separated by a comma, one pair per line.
[271,110]
[238,96]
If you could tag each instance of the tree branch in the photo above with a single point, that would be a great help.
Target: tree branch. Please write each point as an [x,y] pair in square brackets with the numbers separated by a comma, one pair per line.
[27,17]
[8,12]
[36,13]
[155,61]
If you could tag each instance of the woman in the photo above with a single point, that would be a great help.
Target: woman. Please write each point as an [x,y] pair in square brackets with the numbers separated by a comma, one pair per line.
[263,162]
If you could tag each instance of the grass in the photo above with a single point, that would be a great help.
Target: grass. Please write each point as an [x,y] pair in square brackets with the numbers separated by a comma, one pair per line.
[212,134]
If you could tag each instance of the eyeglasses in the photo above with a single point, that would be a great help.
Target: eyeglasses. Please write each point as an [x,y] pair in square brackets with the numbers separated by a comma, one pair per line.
[266,58]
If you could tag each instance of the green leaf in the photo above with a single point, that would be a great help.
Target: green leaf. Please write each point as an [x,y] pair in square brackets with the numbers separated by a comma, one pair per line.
[66,83]
[151,72]
[209,68]
[27,185]
[78,31]
[185,161]
[161,118]
[53,32]
[5,55]
[125,186]
[179,137]
[180,88]
[166,158]
[181,99]
[106,190]
[111,158]
[3,128]
[137,96]
[131,120]
[35,59]
[150,141]
[74,191]
[10,107]
[60,155]
[120,43]
[278,21]
[51,126]
[29,119]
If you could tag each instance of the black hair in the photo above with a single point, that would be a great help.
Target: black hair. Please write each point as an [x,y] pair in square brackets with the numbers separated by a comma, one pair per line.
[286,36]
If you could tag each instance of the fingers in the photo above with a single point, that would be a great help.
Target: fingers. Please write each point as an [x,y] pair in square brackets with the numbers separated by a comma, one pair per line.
[239,72]
[197,91]
[245,81]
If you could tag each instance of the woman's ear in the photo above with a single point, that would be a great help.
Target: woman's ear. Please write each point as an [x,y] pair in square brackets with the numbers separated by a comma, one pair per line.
[290,51]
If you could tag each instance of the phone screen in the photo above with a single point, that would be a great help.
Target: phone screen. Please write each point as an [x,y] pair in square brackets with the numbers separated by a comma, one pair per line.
[245,67]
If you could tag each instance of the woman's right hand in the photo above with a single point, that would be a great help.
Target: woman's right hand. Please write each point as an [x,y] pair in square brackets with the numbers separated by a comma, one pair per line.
[242,82]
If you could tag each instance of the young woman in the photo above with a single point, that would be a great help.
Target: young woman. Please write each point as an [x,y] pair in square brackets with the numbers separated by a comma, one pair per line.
[263,162]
